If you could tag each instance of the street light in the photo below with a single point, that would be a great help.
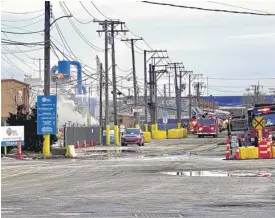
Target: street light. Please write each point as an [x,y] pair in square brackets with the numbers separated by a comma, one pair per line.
[60,18]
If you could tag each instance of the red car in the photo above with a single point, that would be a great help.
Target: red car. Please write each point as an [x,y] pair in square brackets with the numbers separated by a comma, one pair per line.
[208,127]
[132,136]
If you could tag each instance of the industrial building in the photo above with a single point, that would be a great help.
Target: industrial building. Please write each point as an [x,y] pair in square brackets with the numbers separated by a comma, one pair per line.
[13,93]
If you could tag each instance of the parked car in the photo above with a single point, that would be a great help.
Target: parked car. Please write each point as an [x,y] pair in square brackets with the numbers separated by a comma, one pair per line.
[132,136]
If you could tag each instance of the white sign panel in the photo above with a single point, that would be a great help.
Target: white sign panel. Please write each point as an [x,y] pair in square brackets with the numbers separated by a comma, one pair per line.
[12,135]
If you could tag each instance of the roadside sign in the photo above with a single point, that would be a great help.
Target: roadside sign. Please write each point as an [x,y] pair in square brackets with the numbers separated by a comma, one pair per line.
[165,117]
[46,114]
[258,123]
[12,136]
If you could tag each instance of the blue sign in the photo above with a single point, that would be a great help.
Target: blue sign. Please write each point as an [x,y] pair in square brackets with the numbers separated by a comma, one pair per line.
[46,114]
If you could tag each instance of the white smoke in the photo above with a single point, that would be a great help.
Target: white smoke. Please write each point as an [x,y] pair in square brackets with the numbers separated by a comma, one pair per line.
[66,112]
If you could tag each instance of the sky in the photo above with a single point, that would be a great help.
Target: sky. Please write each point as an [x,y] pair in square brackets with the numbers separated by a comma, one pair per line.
[217,45]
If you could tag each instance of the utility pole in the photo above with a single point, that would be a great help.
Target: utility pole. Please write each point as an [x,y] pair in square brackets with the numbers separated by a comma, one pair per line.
[136,115]
[169,74]
[47,52]
[39,65]
[145,85]
[112,24]
[100,96]
[176,66]
[189,97]
[177,95]
[165,100]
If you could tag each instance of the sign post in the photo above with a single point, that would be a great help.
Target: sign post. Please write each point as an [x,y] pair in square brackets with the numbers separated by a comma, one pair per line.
[12,136]
[165,118]
[259,123]
[46,119]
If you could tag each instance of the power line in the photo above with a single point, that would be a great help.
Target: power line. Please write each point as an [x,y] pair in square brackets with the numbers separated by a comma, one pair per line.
[21,51]
[21,60]
[87,11]
[29,12]
[18,33]
[235,6]
[78,31]
[208,9]
[16,27]
[41,15]
[241,78]
[100,11]
[12,42]
[5,58]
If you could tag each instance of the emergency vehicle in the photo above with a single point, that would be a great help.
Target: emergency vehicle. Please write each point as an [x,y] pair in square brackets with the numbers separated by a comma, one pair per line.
[267,111]
[208,127]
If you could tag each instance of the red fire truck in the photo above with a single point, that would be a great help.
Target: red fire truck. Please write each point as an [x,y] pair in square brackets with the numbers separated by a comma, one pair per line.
[267,111]
[208,127]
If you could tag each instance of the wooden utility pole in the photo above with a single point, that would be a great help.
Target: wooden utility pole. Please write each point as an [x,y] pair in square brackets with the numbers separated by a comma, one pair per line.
[146,84]
[136,115]
[112,24]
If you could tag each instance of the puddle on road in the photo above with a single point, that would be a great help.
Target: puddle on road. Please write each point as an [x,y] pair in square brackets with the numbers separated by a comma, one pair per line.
[111,151]
[217,174]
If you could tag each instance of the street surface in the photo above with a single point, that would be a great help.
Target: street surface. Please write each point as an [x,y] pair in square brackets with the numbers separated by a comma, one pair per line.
[170,178]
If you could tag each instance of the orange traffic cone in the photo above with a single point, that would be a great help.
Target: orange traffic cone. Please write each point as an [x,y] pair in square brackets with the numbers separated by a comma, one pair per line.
[77,144]
[84,145]
[237,153]
[91,142]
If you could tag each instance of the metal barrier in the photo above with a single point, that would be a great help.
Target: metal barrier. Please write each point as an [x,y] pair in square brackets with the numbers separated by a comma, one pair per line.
[74,134]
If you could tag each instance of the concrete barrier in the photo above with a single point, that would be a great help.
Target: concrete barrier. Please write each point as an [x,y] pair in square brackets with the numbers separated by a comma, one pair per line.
[175,134]
[147,137]
[70,152]
[249,152]
[159,134]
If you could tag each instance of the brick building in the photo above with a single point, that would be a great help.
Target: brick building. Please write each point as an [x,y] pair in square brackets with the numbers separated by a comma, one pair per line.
[13,93]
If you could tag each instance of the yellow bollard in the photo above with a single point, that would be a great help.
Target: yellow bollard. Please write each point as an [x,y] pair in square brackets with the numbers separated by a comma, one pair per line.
[5,150]
[178,125]
[108,140]
[116,134]
[154,127]
[137,126]
[146,127]
[46,146]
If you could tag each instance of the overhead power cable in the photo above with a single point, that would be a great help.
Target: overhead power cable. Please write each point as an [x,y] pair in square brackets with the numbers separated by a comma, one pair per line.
[215,78]
[87,11]
[209,9]
[20,51]
[11,42]
[19,27]
[21,60]
[28,12]
[41,15]
[5,58]
[235,6]
[18,33]
[78,31]
[100,11]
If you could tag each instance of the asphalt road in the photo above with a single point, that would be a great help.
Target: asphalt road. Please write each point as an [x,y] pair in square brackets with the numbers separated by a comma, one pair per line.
[171,178]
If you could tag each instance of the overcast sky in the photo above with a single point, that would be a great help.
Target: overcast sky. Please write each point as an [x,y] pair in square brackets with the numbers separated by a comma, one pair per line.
[209,43]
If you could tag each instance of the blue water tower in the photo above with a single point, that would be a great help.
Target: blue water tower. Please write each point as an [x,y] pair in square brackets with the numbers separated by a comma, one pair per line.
[64,68]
